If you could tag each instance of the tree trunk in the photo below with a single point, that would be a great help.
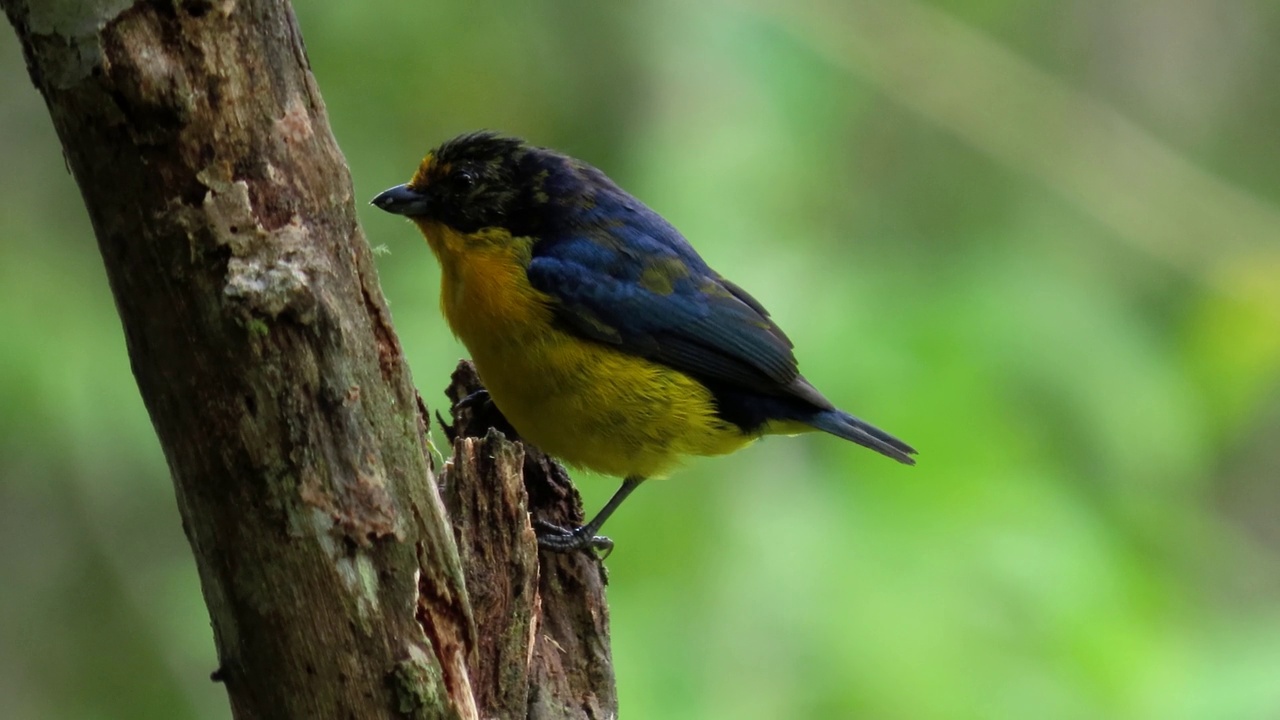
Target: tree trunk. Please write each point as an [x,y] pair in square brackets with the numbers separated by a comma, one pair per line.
[265,356]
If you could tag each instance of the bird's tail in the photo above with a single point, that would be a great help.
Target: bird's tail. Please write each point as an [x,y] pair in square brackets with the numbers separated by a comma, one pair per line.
[842,424]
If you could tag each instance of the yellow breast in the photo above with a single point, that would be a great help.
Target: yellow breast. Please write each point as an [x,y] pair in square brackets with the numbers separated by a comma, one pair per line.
[581,401]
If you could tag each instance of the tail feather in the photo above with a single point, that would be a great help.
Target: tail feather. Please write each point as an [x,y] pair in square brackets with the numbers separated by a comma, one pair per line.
[842,424]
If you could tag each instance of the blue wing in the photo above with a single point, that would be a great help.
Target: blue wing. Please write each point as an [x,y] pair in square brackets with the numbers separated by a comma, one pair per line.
[624,276]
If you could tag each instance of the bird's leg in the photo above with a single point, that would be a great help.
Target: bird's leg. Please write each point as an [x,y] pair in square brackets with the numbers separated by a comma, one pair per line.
[557,539]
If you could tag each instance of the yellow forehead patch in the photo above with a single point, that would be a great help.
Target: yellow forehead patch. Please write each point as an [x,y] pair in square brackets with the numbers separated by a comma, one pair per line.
[427,170]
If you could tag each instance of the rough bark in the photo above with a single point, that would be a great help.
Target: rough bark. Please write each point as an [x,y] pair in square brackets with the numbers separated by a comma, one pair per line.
[264,353]
[543,647]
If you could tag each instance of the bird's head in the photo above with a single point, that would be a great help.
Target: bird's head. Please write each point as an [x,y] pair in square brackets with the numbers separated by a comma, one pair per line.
[485,180]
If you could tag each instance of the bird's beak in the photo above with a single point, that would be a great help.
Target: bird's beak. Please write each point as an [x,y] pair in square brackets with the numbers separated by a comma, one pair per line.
[401,200]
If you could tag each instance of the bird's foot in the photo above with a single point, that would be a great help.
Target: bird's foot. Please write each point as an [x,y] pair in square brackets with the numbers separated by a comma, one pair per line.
[477,398]
[558,539]
[485,413]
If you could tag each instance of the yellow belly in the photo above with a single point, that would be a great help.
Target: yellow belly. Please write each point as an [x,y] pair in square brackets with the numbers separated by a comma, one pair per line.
[583,402]
[601,409]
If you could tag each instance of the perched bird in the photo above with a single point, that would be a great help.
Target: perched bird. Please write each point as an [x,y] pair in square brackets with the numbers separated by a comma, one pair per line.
[600,334]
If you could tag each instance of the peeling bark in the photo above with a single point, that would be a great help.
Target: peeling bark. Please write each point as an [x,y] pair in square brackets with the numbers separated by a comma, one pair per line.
[263,351]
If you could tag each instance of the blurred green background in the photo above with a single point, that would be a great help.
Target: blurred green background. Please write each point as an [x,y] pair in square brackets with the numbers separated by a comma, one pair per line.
[1040,241]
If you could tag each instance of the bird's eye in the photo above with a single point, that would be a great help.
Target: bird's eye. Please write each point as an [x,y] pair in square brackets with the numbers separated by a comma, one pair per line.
[466,178]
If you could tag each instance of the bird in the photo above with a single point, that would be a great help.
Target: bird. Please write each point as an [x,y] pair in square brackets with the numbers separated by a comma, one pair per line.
[598,332]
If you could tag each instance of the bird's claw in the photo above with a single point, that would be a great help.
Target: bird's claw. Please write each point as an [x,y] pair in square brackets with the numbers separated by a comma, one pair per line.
[485,413]
[478,397]
[554,538]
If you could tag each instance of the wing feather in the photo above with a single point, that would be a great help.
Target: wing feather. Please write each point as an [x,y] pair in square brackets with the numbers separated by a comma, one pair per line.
[638,285]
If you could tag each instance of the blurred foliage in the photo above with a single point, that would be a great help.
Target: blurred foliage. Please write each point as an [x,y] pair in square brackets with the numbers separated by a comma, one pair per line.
[1037,240]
